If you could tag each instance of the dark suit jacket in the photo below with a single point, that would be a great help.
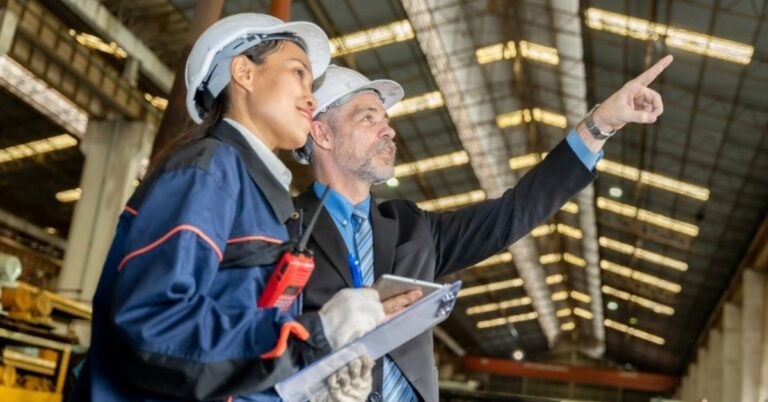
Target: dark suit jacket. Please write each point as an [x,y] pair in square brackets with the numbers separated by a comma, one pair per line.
[411,242]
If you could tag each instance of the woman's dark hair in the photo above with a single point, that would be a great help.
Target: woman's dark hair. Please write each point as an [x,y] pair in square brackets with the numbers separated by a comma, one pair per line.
[256,54]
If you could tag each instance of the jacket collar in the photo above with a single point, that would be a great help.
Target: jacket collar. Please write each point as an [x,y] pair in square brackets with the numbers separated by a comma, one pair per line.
[279,199]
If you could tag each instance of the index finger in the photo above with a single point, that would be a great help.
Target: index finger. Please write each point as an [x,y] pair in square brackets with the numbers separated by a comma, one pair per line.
[647,77]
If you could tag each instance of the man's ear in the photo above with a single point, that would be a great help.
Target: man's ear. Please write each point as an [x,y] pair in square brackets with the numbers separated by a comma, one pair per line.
[241,70]
[321,135]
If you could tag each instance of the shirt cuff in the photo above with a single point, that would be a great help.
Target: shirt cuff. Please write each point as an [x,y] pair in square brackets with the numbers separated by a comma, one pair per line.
[586,155]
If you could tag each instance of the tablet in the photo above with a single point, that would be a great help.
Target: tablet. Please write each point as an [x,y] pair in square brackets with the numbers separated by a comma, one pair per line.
[393,285]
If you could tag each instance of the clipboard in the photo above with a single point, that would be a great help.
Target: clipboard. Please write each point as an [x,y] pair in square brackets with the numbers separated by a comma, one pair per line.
[419,317]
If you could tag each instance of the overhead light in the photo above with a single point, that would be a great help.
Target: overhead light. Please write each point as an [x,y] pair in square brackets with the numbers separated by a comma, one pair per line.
[653,179]
[544,54]
[524,161]
[543,230]
[559,296]
[452,201]
[511,303]
[648,216]
[564,312]
[158,102]
[574,260]
[711,46]
[518,117]
[570,207]
[550,258]
[554,279]
[612,305]
[96,43]
[507,51]
[490,287]
[568,326]
[643,254]
[582,297]
[507,320]
[457,158]
[69,195]
[501,258]
[586,314]
[646,336]
[427,101]
[393,182]
[51,230]
[615,192]
[569,231]
[46,100]
[497,52]
[399,31]
[39,147]
[518,354]
[640,276]
[639,300]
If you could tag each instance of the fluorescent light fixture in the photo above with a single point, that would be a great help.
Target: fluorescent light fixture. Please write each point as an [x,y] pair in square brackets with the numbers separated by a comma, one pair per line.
[570,207]
[639,300]
[39,147]
[568,326]
[565,312]
[497,52]
[96,43]
[653,179]
[646,336]
[71,195]
[706,45]
[524,161]
[550,258]
[158,102]
[574,260]
[569,231]
[554,279]
[46,100]
[511,303]
[457,158]
[643,254]
[586,314]
[427,101]
[507,51]
[452,201]
[501,258]
[648,216]
[543,230]
[507,320]
[582,297]
[640,276]
[490,287]
[518,117]
[544,54]
[559,296]
[399,31]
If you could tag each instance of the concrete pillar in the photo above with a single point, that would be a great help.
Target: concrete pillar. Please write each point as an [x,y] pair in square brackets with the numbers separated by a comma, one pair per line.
[731,379]
[702,374]
[714,377]
[762,387]
[693,386]
[113,152]
[753,319]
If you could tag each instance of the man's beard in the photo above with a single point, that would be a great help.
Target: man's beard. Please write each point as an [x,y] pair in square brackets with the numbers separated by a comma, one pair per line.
[365,169]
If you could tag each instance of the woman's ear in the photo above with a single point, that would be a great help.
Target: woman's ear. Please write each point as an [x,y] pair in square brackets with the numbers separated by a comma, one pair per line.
[321,135]
[241,71]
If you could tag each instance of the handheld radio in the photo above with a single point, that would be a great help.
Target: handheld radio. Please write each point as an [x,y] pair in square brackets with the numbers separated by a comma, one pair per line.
[292,271]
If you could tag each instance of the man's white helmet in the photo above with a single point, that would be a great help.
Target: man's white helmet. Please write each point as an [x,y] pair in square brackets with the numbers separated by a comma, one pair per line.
[339,82]
[207,72]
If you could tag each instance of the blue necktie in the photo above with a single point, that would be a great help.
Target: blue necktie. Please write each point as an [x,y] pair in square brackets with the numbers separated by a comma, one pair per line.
[395,387]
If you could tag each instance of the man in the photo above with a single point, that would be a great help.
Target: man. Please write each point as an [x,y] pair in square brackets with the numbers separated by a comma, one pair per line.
[351,148]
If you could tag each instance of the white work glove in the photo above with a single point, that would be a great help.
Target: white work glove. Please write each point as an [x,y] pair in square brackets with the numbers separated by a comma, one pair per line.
[349,314]
[351,383]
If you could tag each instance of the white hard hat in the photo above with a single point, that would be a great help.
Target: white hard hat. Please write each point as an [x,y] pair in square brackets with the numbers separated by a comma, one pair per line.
[339,82]
[207,72]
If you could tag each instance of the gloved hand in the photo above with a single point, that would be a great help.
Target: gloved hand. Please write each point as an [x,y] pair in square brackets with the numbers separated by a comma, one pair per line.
[351,383]
[349,314]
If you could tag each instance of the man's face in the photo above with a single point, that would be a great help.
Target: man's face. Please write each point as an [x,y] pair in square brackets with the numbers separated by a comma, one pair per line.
[363,141]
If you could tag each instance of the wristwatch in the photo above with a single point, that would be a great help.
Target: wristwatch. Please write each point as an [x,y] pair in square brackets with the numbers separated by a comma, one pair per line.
[593,129]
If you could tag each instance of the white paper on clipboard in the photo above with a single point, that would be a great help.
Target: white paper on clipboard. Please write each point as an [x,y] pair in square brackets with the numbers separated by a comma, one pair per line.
[419,317]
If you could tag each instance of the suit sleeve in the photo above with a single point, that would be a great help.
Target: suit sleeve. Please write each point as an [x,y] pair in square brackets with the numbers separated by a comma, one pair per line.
[469,235]
[173,338]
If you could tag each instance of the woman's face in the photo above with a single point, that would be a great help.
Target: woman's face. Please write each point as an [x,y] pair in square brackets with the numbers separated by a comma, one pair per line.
[281,102]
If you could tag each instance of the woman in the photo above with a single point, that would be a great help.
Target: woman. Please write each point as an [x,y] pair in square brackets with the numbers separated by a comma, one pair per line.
[175,311]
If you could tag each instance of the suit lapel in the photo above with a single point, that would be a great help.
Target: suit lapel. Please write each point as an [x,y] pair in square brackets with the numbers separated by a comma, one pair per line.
[325,234]
[384,235]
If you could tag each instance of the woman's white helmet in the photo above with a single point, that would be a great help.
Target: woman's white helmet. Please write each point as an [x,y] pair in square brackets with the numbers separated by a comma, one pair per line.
[207,72]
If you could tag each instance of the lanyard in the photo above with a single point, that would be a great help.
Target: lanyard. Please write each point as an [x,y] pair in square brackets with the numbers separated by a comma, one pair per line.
[354,269]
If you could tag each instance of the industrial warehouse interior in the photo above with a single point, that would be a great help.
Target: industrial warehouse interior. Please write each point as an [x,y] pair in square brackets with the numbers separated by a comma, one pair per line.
[650,285]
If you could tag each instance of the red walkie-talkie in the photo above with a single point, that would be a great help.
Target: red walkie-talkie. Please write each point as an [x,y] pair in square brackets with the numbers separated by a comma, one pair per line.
[292,270]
